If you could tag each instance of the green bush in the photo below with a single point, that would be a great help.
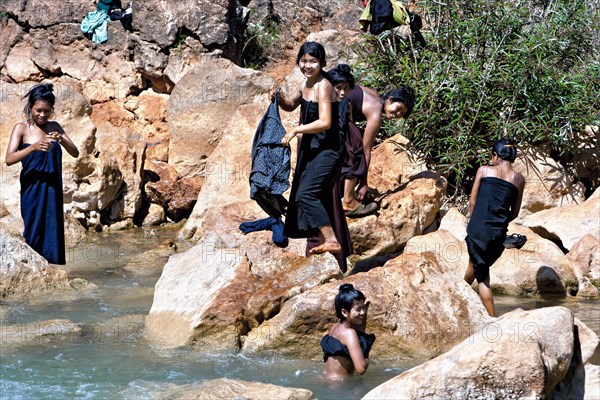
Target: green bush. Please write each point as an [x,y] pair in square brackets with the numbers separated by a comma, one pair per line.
[493,68]
[261,40]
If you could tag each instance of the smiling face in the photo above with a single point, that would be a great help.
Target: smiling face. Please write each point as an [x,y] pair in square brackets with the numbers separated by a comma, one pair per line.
[41,111]
[394,110]
[310,66]
[357,313]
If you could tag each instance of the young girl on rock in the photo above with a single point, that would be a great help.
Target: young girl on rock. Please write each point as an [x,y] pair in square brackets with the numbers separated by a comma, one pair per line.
[313,209]
[346,346]
[37,143]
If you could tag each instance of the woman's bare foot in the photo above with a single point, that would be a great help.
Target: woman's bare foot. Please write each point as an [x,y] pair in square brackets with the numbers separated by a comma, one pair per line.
[327,247]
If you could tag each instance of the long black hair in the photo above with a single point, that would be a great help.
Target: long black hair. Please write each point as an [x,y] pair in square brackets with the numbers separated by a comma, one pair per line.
[505,149]
[341,73]
[403,94]
[316,50]
[346,296]
[42,91]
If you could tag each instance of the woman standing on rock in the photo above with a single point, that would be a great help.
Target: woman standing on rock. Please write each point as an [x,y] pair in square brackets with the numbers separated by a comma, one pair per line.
[495,201]
[312,207]
[346,346]
[36,143]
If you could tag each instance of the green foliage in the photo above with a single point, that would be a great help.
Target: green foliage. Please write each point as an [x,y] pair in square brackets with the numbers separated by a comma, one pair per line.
[262,37]
[494,68]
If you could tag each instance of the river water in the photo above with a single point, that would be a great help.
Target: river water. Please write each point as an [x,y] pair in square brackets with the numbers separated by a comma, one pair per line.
[110,359]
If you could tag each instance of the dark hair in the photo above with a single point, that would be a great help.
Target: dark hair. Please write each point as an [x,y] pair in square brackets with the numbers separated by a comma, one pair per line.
[403,94]
[346,296]
[341,73]
[505,149]
[43,91]
[314,49]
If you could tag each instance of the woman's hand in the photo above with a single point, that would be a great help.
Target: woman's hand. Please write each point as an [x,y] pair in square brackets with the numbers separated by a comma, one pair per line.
[42,145]
[288,137]
[54,135]
[362,193]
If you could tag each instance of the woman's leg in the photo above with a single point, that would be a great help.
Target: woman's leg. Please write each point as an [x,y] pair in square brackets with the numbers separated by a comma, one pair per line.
[485,292]
[349,201]
[470,274]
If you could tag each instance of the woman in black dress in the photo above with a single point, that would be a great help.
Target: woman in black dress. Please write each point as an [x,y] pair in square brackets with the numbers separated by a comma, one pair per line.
[495,201]
[320,154]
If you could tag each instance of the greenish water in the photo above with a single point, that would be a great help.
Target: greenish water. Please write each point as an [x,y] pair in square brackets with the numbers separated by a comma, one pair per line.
[110,358]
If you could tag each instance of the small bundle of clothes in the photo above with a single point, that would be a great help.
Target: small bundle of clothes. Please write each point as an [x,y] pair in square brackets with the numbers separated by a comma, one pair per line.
[95,23]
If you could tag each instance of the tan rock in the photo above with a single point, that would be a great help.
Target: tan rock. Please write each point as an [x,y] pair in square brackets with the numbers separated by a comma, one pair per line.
[455,222]
[176,197]
[23,271]
[155,216]
[568,224]
[586,254]
[201,107]
[538,267]
[19,66]
[405,324]
[402,215]
[547,183]
[523,354]
[226,389]
[10,33]
[227,284]
[227,171]
[393,163]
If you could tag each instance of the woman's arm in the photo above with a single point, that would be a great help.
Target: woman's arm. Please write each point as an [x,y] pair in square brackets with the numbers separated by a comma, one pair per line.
[13,154]
[516,208]
[349,338]
[290,104]
[475,190]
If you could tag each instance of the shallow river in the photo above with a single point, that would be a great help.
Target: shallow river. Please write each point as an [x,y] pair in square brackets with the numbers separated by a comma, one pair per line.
[111,359]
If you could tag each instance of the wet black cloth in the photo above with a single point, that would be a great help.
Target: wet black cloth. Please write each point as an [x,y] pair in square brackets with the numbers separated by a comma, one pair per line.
[42,203]
[488,225]
[269,177]
[319,161]
[332,347]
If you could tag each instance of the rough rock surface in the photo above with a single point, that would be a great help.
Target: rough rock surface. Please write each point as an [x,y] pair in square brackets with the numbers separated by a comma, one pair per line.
[559,223]
[405,324]
[23,271]
[523,354]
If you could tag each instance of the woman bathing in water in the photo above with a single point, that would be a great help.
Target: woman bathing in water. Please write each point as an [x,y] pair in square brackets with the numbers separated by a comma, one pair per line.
[346,346]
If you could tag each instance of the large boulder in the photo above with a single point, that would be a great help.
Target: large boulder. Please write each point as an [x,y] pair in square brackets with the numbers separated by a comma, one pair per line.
[404,213]
[393,163]
[523,354]
[227,284]
[568,224]
[547,183]
[23,271]
[586,254]
[539,267]
[201,108]
[405,324]
[216,24]
[226,389]
[227,171]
